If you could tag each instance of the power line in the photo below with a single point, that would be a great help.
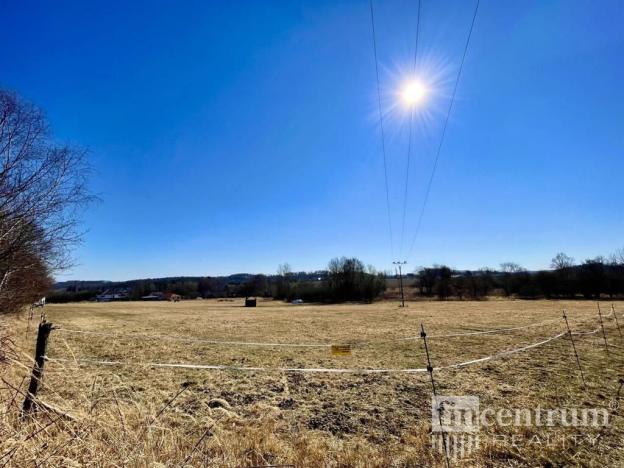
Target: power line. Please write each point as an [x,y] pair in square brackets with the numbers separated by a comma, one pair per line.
[383,138]
[446,121]
[409,141]
[417,35]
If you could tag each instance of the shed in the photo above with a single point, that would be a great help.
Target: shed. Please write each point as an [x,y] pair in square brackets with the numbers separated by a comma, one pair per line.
[250,302]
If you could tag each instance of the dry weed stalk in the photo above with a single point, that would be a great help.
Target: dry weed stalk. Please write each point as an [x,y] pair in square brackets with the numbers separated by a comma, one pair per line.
[7,346]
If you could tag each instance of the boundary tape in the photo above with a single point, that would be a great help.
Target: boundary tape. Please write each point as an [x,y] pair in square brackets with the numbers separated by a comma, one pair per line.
[486,332]
[306,369]
[505,353]
[294,345]
[194,340]
[311,345]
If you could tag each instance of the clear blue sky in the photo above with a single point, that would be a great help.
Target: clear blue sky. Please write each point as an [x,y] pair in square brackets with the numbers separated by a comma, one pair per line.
[233,136]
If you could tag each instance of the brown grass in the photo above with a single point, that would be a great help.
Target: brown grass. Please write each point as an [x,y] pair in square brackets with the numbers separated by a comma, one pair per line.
[144,416]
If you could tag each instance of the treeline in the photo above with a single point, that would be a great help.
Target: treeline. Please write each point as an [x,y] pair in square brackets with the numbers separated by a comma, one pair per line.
[346,279]
[591,279]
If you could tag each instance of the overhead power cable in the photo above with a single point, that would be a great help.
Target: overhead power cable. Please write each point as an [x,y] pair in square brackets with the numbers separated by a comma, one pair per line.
[409,141]
[381,128]
[446,121]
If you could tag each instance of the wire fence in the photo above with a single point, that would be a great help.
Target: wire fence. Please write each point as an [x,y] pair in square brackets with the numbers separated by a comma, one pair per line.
[189,339]
[302,369]
[327,370]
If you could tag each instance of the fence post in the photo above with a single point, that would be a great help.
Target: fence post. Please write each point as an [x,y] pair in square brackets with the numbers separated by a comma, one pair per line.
[37,371]
[604,334]
[578,361]
[616,319]
[423,335]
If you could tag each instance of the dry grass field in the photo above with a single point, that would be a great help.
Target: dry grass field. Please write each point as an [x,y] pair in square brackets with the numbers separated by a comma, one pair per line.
[131,413]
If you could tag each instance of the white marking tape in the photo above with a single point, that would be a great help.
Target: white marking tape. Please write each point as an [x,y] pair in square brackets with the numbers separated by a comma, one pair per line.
[504,353]
[195,340]
[233,368]
[487,332]
[304,369]
[587,333]
[293,345]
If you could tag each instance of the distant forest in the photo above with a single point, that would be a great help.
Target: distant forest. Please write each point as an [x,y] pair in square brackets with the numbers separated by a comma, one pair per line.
[347,279]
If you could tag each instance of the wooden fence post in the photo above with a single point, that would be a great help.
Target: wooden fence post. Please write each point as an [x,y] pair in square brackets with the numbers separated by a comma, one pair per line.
[37,372]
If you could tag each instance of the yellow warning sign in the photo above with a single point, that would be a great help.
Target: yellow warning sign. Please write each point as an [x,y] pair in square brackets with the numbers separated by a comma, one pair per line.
[341,350]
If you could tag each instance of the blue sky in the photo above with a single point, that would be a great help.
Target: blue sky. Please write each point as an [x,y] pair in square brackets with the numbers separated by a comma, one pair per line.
[234,136]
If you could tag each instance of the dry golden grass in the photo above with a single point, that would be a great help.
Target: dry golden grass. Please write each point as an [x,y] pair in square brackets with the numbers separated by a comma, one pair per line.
[137,415]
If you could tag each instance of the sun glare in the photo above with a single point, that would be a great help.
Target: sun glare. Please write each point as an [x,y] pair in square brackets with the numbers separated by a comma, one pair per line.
[413,93]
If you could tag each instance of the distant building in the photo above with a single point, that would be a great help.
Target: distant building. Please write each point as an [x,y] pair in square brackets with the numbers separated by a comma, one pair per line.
[154,296]
[113,295]
[161,296]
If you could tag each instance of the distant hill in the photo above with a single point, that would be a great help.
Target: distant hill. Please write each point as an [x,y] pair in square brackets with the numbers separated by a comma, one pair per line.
[80,285]
[235,279]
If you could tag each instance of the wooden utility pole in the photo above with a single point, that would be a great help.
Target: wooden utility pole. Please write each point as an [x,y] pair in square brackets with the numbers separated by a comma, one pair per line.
[400,264]
[37,372]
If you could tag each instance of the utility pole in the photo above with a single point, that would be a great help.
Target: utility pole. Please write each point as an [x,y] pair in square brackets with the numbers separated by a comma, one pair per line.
[400,264]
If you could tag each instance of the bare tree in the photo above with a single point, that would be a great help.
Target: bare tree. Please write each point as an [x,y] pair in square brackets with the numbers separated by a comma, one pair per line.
[510,281]
[617,258]
[284,270]
[510,267]
[42,192]
[561,261]
[284,274]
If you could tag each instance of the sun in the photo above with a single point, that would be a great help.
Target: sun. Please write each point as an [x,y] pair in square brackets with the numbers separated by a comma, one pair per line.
[413,93]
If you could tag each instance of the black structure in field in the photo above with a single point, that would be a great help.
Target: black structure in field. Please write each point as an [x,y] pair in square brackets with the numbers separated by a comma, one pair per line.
[250,302]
